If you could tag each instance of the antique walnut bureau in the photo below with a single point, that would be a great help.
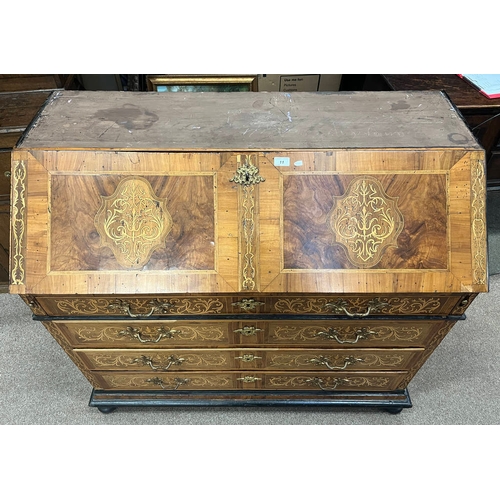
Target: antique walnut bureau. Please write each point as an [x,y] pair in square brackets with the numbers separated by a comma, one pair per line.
[248,248]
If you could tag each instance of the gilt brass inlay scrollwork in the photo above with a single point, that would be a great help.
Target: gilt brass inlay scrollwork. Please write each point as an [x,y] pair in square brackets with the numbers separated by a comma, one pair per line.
[365,221]
[133,222]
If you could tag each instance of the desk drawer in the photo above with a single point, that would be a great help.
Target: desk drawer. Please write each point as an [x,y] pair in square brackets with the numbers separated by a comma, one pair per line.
[353,306]
[224,333]
[162,360]
[276,381]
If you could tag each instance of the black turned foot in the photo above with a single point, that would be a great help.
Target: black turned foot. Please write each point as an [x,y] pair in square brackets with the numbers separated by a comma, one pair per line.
[106,409]
[394,411]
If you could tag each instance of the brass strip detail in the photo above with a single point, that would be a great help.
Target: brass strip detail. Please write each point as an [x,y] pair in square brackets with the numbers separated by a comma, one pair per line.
[478,235]
[18,222]
[247,175]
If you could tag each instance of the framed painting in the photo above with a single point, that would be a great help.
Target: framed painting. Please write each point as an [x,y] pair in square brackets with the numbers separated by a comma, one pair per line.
[202,83]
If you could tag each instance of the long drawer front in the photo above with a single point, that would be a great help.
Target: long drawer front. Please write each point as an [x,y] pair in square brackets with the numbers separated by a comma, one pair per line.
[161,361]
[354,306]
[275,381]
[166,334]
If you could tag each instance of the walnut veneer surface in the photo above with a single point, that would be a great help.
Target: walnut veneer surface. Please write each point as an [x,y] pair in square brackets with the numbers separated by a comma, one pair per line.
[248,246]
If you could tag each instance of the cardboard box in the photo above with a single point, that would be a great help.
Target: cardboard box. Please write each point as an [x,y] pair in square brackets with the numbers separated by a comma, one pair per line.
[298,83]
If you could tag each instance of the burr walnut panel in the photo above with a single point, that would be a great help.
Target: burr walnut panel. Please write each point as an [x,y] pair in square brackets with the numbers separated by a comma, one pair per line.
[151,223]
[396,221]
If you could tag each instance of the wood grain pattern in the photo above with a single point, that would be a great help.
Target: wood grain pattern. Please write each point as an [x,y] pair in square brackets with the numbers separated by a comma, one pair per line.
[75,241]
[248,121]
[308,240]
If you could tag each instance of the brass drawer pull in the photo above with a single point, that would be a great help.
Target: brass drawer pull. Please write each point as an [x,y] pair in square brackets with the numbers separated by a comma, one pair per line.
[248,379]
[248,330]
[7,173]
[340,306]
[319,382]
[331,333]
[247,358]
[323,360]
[172,360]
[161,382]
[163,333]
[156,307]
[247,304]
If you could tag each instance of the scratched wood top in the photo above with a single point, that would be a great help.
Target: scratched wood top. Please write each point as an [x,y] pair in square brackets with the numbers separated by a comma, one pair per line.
[247,121]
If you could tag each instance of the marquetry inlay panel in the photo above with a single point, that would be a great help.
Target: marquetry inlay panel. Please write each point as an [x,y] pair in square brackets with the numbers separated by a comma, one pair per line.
[365,221]
[133,222]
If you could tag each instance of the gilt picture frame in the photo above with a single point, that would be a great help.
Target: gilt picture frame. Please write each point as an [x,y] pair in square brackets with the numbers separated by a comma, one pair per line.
[202,83]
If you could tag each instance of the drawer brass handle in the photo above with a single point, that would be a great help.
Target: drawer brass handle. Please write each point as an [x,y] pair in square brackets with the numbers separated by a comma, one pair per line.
[331,333]
[247,358]
[156,307]
[161,383]
[340,306]
[248,379]
[163,333]
[247,304]
[319,382]
[146,360]
[7,173]
[247,331]
[323,360]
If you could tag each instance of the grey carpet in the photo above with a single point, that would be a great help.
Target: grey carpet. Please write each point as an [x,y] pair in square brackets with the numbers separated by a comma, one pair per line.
[459,384]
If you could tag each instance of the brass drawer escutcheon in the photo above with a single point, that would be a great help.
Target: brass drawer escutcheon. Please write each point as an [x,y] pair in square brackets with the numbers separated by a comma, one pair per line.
[135,333]
[247,304]
[247,358]
[147,361]
[319,382]
[161,383]
[331,333]
[248,379]
[340,306]
[248,331]
[157,306]
[324,360]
